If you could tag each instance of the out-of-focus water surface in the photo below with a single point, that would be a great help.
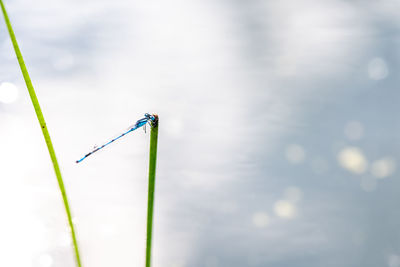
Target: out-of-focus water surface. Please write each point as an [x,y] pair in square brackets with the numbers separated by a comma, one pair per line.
[278,145]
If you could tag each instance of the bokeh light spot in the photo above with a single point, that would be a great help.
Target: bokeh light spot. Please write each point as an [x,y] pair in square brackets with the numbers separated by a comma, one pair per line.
[394,260]
[260,219]
[284,209]
[353,160]
[295,154]
[293,194]
[354,130]
[8,92]
[383,168]
[377,69]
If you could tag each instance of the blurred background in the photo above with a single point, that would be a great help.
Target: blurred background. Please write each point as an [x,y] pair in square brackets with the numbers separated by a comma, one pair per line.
[278,145]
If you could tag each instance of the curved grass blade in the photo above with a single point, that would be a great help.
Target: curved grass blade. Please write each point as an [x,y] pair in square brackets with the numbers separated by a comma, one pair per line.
[42,123]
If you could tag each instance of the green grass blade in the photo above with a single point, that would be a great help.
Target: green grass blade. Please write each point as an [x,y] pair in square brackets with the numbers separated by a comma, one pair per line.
[152,181]
[46,135]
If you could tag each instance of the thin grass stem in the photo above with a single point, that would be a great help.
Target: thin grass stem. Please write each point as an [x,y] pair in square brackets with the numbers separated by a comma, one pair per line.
[43,126]
[152,181]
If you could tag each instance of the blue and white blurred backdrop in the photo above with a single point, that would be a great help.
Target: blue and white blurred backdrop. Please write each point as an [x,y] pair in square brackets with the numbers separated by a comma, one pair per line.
[279,132]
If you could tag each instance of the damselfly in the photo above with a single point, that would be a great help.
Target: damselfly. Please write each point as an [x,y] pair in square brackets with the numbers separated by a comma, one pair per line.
[142,122]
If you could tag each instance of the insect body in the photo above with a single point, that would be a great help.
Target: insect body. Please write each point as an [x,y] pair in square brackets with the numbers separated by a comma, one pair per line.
[151,119]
